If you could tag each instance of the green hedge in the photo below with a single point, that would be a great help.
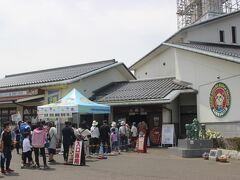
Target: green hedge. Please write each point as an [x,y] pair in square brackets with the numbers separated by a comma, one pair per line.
[227,143]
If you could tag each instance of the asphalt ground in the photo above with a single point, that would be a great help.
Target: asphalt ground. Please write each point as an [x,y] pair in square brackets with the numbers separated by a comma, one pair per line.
[157,164]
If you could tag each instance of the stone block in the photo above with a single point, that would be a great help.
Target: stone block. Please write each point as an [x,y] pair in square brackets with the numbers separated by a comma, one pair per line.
[194,144]
[191,148]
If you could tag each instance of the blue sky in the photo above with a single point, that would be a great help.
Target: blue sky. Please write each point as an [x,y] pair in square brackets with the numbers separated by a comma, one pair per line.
[44,34]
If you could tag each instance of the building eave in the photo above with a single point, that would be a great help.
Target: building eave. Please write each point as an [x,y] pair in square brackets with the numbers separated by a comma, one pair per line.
[212,54]
[65,82]
[166,100]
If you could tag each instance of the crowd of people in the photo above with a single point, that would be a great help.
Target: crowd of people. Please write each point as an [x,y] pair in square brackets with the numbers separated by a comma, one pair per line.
[34,139]
[31,139]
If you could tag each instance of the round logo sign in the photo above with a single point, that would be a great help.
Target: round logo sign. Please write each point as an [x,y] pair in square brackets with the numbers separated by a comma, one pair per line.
[220,99]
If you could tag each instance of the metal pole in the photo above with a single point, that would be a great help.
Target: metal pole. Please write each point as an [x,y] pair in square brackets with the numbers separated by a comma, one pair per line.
[78,119]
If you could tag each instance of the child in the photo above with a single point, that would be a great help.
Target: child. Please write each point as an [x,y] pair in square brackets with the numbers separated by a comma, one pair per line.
[27,150]
[114,139]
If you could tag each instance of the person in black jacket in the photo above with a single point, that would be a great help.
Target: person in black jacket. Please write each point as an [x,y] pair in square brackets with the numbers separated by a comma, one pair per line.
[105,137]
[6,149]
[68,139]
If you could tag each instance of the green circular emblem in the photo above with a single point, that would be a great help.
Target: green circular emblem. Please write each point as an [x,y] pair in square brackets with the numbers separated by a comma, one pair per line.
[220,99]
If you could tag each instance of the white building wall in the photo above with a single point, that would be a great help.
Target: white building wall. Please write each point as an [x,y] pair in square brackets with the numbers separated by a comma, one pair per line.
[201,69]
[187,99]
[229,125]
[210,31]
[155,67]
[88,85]
[203,72]
[174,107]
[204,107]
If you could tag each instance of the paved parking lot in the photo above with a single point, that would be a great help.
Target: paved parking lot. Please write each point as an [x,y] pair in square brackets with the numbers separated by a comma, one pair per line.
[157,164]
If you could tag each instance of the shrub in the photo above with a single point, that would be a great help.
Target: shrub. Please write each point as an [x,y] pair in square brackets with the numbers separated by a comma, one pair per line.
[211,134]
[220,142]
[232,143]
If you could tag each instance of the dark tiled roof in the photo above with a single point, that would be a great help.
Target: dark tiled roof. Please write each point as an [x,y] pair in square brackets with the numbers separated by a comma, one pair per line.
[52,75]
[142,90]
[222,49]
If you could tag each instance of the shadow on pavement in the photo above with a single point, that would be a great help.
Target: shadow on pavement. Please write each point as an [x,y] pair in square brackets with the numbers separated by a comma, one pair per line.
[12,174]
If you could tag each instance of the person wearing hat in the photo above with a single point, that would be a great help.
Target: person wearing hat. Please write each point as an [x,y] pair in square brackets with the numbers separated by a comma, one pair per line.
[123,136]
[115,129]
[134,133]
[94,141]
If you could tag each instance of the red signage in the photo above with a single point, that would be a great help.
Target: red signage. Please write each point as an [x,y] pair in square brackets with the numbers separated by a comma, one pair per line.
[77,153]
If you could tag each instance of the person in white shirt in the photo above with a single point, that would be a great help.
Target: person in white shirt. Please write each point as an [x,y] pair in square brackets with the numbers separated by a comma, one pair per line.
[53,140]
[27,150]
[134,136]
[94,141]
[83,134]
[123,136]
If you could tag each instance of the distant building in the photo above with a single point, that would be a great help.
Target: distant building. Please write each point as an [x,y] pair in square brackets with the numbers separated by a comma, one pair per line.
[195,11]
[205,55]
[22,93]
[195,73]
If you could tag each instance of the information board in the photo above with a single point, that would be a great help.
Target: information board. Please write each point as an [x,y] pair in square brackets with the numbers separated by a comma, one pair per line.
[168,134]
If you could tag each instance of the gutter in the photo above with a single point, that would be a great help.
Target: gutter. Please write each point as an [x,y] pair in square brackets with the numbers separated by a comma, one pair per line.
[135,103]
[65,82]
[216,55]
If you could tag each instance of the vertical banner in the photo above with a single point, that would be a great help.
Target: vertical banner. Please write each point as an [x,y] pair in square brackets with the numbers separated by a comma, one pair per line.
[53,96]
[77,153]
[168,134]
[141,145]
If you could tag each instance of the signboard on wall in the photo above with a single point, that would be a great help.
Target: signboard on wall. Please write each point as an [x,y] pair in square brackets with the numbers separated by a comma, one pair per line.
[53,96]
[168,134]
[220,99]
[29,92]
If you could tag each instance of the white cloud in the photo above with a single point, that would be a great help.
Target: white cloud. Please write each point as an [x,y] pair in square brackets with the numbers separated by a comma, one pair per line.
[51,33]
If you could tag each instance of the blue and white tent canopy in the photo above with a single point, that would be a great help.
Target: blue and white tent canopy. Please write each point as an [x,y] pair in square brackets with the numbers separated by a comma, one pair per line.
[73,102]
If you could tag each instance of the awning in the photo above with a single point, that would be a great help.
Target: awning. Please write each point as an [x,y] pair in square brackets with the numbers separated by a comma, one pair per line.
[9,100]
[73,102]
[166,100]
[18,99]
[38,97]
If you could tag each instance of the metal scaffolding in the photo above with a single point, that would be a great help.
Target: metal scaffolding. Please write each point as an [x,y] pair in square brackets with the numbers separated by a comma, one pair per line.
[191,11]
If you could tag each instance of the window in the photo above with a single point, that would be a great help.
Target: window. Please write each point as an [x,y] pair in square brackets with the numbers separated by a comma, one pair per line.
[234,35]
[6,115]
[221,34]
[29,113]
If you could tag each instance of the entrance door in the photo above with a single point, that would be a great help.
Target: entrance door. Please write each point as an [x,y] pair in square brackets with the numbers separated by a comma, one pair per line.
[187,114]
[137,118]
